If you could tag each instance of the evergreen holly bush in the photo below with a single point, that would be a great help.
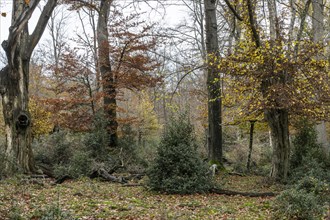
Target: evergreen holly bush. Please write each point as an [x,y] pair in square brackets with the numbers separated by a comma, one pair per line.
[178,169]
[307,199]
[305,146]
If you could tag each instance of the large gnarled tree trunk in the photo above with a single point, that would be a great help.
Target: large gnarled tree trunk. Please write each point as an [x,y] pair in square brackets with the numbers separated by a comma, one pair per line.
[108,77]
[213,83]
[276,117]
[14,81]
[278,121]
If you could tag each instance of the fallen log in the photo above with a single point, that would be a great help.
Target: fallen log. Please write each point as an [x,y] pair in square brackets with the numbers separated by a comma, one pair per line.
[133,185]
[105,176]
[46,170]
[61,179]
[38,176]
[236,174]
[237,193]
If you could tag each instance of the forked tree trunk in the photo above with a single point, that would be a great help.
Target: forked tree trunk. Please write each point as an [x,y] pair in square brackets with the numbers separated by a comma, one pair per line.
[14,81]
[108,77]
[213,83]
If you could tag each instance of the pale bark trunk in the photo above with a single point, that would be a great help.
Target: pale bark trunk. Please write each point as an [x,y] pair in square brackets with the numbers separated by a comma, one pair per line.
[318,35]
[213,83]
[292,20]
[108,77]
[14,84]
[322,137]
[272,20]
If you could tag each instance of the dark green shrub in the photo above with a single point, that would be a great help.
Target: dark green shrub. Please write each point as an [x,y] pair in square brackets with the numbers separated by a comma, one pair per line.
[310,177]
[137,155]
[307,199]
[178,168]
[310,168]
[80,164]
[55,149]
[127,144]
[305,145]
[298,204]
[308,158]
[63,154]
[319,188]
[97,140]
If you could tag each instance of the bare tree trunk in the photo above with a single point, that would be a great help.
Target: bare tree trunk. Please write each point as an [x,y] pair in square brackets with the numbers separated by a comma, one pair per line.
[248,165]
[213,83]
[14,81]
[273,29]
[292,20]
[108,77]
[318,35]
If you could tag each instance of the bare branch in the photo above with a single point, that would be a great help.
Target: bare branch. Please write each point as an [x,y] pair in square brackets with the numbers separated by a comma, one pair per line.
[301,28]
[182,78]
[233,10]
[253,24]
[41,25]
[16,28]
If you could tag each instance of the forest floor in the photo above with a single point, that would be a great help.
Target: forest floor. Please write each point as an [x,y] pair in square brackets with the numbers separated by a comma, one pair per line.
[92,199]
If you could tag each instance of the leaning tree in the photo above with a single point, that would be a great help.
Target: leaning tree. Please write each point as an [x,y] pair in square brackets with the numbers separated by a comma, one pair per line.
[14,81]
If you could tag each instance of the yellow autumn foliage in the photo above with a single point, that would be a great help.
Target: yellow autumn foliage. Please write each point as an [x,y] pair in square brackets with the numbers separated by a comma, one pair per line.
[41,119]
[271,76]
[148,121]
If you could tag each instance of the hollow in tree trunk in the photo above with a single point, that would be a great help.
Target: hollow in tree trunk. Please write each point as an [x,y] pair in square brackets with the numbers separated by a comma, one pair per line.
[18,152]
[14,81]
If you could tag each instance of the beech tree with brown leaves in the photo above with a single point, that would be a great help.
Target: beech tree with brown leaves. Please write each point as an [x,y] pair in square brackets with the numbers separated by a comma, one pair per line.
[76,98]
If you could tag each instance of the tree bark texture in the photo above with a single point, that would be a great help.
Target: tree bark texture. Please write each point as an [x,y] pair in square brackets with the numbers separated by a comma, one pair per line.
[14,81]
[278,121]
[273,20]
[318,36]
[213,83]
[108,76]
[248,165]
